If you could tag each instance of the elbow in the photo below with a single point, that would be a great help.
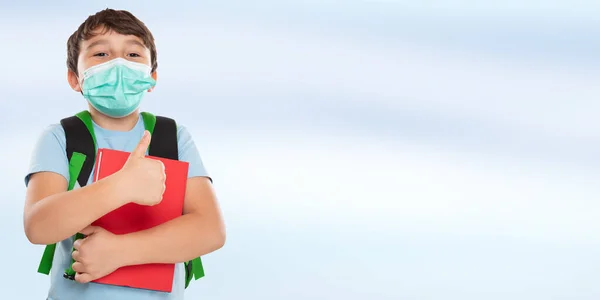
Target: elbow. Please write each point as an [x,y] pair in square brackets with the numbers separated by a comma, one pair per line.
[32,233]
[35,231]
[220,239]
[217,241]
[220,234]
[32,226]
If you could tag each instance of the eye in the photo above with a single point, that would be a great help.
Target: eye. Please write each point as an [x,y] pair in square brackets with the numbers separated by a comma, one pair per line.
[134,55]
[101,54]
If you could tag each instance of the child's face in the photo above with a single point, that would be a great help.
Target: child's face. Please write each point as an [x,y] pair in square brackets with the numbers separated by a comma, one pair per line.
[108,46]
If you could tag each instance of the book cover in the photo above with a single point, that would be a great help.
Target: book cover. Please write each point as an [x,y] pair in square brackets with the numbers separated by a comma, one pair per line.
[134,217]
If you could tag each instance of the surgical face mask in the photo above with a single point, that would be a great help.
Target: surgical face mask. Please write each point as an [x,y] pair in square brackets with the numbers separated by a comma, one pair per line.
[115,88]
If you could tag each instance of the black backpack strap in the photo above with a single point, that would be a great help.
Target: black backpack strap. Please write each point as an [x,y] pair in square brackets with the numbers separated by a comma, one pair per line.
[164,139]
[164,144]
[80,139]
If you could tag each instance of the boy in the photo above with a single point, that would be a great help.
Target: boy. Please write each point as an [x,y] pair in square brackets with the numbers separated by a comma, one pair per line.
[112,63]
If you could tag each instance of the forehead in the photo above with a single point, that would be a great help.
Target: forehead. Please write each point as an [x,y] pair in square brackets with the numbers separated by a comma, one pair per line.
[110,38]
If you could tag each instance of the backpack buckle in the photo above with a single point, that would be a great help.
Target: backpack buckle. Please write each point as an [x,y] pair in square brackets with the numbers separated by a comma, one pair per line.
[69,276]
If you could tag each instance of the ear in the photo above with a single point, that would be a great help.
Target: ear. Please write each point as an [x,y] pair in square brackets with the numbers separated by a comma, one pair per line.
[155,77]
[73,81]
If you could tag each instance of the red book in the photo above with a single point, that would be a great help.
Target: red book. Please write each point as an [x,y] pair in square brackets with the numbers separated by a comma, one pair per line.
[134,217]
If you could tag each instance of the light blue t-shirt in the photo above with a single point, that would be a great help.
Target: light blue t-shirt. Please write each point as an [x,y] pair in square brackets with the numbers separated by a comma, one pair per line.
[50,155]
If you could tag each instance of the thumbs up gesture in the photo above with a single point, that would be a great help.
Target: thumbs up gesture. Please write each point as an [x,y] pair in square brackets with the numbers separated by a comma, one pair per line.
[145,176]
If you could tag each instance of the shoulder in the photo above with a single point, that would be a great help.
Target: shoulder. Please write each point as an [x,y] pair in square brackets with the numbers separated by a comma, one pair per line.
[183,134]
[52,135]
[185,141]
[189,152]
[56,129]
[49,153]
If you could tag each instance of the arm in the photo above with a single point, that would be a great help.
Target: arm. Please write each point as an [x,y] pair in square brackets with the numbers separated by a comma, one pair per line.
[199,231]
[52,214]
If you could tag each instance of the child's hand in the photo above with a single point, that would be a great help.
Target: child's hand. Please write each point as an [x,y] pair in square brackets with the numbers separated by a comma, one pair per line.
[144,177]
[97,255]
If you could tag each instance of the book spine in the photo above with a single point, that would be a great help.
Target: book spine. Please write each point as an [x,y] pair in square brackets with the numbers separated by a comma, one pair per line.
[98,164]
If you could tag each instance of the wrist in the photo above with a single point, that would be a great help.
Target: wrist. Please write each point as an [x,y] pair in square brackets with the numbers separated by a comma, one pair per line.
[129,250]
[119,187]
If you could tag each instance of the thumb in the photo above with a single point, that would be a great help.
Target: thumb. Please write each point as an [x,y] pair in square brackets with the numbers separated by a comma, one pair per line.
[90,230]
[140,149]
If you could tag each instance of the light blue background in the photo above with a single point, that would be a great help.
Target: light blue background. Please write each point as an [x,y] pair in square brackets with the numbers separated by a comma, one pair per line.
[360,149]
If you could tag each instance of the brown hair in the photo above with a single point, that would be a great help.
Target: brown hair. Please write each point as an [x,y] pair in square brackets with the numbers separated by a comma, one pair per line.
[119,21]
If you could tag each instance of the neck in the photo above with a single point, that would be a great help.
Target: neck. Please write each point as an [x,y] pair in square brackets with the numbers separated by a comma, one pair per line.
[117,124]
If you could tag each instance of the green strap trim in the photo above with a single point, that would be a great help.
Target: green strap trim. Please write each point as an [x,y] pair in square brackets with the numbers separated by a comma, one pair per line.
[197,268]
[149,121]
[86,118]
[75,165]
[197,271]
[46,263]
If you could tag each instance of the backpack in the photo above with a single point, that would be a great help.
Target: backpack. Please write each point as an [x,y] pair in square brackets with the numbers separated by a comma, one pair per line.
[81,150]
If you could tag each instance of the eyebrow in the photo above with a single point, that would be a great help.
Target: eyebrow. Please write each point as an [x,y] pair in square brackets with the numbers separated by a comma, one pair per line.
[96,43]
[136,42]
[104,41]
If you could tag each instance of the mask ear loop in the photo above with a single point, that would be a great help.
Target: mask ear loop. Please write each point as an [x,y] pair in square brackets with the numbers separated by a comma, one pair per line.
[80,86]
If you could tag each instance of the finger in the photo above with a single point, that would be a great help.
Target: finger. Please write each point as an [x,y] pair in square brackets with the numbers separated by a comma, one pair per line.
[164,177]
[78,267]
[83,277]
[162,167]
[90,230]
[140,149]
[164,173]
[77,244]
[163,170]
[76,255]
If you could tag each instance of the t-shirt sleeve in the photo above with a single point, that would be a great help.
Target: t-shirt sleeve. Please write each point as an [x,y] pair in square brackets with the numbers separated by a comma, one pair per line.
[189,153]
[49,153]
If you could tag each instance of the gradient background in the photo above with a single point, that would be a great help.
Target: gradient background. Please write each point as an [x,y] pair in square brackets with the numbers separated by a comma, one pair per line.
[360,149]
